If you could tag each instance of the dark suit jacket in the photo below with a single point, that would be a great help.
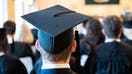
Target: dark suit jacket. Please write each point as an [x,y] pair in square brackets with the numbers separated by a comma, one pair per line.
[20,49]
[57,71]
[11,65]
[110,58]
[125,40]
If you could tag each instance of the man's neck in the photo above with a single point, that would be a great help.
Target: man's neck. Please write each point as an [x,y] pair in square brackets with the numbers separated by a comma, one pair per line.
[54,62]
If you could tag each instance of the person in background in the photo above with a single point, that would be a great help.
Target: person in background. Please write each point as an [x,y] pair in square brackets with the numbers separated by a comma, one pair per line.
[17,48]
[126,13]
[9,64]
[93,38]
[127,31]
[25,34]
[55,37]
[113,56]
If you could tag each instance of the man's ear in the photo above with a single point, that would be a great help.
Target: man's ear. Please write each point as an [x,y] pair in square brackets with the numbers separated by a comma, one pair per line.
[37,45]
[74,44]
[103,32]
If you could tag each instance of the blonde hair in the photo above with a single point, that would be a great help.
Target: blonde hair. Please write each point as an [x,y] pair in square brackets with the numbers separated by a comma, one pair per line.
[25,35]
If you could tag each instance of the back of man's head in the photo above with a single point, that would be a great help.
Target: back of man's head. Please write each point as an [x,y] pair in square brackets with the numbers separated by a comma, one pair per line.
[112,26]
[10,27]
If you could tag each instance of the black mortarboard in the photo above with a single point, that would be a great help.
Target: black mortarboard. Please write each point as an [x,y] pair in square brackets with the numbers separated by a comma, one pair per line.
[2,33]
[55,27]
[128,24]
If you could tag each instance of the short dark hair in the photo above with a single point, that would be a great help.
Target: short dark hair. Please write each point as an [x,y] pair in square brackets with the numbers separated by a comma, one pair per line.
[10,27]
[112,26]
[59,56]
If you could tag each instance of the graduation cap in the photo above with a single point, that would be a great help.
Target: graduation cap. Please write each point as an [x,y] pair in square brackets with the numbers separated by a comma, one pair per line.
[55,25]
[2,33]
[128,24]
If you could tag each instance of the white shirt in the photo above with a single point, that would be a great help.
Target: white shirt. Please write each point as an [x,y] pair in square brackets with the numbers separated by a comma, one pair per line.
[54,66]
[10,40]
[111,40]
[2,53]
[128,33]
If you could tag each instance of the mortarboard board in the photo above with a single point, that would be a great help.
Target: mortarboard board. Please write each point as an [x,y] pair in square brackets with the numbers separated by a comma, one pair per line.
[55,27]
[2,33]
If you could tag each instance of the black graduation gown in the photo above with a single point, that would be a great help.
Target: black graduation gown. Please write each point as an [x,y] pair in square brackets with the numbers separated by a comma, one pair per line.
[125,40]
[110,58]
[20,49]
[57,71]
[11,65]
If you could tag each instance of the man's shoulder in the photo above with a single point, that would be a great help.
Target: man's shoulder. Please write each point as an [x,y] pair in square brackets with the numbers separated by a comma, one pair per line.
[101,46]
[11,61]
[9,57]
